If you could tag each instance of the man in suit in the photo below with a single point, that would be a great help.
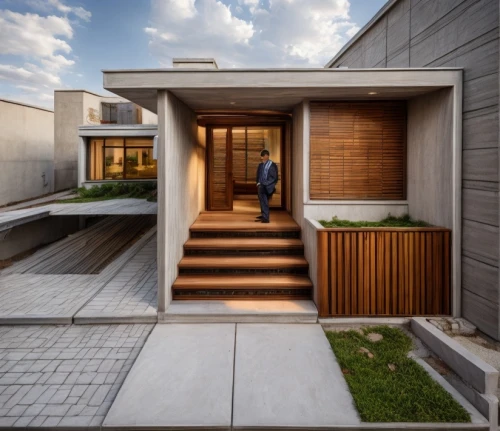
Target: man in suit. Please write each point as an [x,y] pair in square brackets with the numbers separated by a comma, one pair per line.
[267,177]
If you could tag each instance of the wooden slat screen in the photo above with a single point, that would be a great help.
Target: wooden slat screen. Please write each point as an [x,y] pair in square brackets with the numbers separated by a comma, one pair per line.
[358,150]
[219,192]
[377,272]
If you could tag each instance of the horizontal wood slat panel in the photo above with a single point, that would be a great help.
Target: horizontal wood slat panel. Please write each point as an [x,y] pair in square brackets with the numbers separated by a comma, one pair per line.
[358,150]
[384,273]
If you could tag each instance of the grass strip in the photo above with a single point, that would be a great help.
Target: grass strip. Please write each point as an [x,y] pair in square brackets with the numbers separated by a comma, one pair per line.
[404,394]
[389,221]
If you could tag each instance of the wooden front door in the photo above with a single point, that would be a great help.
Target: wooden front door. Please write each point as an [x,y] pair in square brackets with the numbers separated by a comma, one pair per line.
[220,175]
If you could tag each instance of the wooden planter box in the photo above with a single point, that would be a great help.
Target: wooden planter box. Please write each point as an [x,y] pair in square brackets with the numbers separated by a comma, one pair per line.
[384,271]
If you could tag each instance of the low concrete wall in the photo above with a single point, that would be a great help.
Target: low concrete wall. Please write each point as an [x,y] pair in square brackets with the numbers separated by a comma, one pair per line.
[27,152]
[310,240]
[355,210]
[40,232]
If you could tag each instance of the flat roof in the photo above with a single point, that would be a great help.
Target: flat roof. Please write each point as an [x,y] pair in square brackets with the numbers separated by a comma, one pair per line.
[119,130]
[274,89]
[15,102]
[389,5]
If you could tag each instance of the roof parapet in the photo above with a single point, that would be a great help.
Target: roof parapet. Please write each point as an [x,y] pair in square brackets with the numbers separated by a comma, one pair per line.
[194,63]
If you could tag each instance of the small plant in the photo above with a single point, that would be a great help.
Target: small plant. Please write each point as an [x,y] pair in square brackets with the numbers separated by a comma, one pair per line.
[389,221]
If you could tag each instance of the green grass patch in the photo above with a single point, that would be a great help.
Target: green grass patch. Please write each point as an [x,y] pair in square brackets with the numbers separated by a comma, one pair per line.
[143,190]
[407,394]
[389,221]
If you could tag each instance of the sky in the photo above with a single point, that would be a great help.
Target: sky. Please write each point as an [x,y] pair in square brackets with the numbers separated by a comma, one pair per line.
[62,44]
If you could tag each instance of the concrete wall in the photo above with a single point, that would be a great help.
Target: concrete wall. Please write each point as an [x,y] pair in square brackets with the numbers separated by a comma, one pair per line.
[26,152]
[299,134]
[37,233]
[179,165]
[420,33]
[430,156]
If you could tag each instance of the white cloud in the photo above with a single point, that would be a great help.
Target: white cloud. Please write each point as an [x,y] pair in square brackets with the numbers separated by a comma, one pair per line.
[40,46]
[33,35]
[275,33]
[49,5]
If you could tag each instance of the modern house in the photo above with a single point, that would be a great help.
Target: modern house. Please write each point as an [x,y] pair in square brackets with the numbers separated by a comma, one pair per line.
[354,143]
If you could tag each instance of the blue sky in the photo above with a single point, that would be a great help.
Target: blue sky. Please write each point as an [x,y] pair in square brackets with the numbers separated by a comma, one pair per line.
[53,44]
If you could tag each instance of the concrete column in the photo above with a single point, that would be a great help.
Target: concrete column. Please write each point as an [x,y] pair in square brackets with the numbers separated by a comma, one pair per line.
[82,160]
[179,163]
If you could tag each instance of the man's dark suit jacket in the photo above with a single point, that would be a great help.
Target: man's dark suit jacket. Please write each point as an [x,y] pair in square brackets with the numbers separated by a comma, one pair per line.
[272,177]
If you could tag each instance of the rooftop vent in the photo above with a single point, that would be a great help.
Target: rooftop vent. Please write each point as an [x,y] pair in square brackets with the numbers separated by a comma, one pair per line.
[194,63]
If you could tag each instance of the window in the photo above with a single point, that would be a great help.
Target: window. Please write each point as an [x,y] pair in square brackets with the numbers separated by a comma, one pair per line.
[120,113]
[121,159]
[358,150]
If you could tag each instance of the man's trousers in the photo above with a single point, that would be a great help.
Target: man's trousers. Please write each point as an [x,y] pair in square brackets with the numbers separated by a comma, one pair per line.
[264,202]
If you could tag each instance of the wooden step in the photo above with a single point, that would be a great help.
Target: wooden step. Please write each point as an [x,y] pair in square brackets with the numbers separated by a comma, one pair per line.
[243,264]
[242,287]
[243,246]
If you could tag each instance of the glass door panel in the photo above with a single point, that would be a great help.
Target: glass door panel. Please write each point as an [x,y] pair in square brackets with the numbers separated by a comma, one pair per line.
[114,163]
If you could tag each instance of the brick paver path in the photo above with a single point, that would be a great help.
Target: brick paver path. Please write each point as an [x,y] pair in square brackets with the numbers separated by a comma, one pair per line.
[64,375]
[132,292]
[35,295]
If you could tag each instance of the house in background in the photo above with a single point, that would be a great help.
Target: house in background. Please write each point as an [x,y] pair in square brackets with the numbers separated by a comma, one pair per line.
[75,108]
[26,151]
[429,34]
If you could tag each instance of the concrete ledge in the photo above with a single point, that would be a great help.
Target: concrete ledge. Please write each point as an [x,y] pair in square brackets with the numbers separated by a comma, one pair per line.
[231,311]
[369,321]
[109,319]
[396,426]
[12,222]
[487,405]
[482,376]
[36,320]
[476,416]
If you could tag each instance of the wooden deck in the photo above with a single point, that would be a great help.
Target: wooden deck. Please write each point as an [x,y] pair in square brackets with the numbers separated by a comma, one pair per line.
[280,221]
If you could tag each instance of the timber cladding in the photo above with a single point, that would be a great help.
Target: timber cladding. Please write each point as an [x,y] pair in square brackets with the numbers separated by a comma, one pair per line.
[384,272]
[358,150]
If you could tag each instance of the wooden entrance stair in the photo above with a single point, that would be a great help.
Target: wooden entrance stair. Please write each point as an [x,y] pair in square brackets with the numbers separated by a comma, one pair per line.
[230,257]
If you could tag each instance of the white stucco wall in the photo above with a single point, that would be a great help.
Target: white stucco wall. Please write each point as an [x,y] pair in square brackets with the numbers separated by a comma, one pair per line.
[26,152]
[179,166]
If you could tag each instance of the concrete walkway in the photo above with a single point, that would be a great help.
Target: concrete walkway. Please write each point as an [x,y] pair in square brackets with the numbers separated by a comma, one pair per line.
[241,375]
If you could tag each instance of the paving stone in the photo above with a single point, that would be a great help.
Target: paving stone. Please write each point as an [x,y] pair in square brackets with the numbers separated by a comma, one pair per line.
[28,378]
[17,410]
[7,421]
[75,410]
[38,421]
[57,378]
[34,410]
[59,397]
[23,422]
[55,410]
[46,396]
[76,421]
[100,395]
[52,421]
[34,393]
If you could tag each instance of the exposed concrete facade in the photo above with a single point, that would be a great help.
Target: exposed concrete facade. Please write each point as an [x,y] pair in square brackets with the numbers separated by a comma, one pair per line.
[410,33]
[180,195]
[74,108]
[26,151]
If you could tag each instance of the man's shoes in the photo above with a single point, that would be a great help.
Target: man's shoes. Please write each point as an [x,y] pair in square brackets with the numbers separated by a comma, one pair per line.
[264,221]
[260,217]
[258,220]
